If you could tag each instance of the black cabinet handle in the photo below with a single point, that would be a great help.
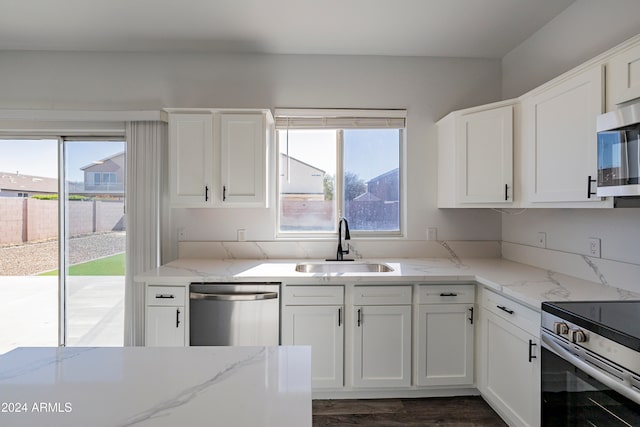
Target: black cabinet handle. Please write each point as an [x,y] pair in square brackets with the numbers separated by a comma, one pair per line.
[359,316]
[340,316]
[448,294]
[164,296]
[177,317]
[506,191]
[224,193]
[505,309]
[206,193]
[471,315]
[589,192]
[531,345]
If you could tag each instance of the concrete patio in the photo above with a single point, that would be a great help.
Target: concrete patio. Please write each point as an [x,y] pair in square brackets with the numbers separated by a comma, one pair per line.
[29,311]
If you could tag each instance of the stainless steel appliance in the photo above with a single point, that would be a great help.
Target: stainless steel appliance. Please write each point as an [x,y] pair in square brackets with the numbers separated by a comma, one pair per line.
[619,152]
[591,363]
[236,314]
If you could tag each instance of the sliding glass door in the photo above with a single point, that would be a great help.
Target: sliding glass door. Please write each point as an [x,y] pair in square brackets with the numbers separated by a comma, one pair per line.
[62,242]
[28,243]
[94,230]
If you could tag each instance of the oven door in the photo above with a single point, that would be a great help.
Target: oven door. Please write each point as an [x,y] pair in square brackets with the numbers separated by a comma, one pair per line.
[577,393]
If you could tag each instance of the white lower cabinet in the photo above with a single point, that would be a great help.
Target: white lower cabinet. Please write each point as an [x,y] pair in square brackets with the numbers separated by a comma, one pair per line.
[382,346]
[509,364]
[165,316]
[314,316]
[381,336]
[445,344]
[322,328]
[445,335]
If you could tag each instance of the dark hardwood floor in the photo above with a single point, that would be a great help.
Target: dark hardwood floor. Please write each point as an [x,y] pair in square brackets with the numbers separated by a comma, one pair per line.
[466,411]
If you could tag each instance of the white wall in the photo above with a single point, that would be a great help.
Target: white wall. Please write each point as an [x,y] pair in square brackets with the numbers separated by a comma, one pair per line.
[584,30]
[428,88]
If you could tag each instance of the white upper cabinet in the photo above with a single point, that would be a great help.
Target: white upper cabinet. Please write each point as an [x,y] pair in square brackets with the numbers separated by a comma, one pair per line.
[219,158]
[623,77]
[475,157]
[191,159]
[557,156]
[243,159]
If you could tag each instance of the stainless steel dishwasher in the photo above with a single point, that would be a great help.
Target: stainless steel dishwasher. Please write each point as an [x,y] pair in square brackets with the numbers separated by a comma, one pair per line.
[239,314]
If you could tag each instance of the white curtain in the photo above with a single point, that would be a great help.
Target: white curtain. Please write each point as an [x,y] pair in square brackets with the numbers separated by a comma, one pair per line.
[146,160]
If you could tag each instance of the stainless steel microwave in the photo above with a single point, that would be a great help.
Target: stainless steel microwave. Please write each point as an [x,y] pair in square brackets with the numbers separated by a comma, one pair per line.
[619,152]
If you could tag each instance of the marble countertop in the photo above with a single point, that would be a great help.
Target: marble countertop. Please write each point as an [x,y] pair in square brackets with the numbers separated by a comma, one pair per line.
[527,284]
[145,386]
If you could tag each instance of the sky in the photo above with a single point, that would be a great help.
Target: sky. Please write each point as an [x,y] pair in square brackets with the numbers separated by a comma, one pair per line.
[40,157]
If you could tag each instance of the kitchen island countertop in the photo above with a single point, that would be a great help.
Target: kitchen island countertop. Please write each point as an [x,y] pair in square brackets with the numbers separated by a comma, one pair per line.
[144,386]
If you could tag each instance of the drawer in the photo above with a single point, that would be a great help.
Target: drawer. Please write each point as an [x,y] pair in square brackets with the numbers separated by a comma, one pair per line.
[313,295]
[381,295]
[165,295]
[521,316]
[449,294]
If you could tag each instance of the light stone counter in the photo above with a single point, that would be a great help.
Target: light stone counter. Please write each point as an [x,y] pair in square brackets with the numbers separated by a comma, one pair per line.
[524,283]
[144,386]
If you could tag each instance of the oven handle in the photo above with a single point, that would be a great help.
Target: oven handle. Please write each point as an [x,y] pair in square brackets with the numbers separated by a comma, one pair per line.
[589,370]
[233,296]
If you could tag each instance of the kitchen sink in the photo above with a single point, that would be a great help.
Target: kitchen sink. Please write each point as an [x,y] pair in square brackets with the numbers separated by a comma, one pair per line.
[342,267]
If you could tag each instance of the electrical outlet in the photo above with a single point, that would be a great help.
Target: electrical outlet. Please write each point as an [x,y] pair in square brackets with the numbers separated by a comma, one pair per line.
[594,247]
[432,233]
[541,242]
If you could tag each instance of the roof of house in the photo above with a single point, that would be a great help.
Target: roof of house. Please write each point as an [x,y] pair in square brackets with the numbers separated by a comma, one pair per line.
[99,162]
[384,175]
[27,183]
[301,162]
[368,197]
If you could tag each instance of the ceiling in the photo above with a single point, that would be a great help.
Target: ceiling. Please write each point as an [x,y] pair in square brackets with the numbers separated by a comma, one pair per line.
[455,28]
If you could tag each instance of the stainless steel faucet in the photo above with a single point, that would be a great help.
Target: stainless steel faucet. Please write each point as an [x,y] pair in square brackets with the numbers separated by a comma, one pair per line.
[340,253]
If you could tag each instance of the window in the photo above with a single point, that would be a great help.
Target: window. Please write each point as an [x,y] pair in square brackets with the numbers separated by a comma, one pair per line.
[100,178]
[335,163]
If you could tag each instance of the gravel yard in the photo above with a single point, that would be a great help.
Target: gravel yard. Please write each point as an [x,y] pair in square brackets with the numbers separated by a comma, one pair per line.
[35,258]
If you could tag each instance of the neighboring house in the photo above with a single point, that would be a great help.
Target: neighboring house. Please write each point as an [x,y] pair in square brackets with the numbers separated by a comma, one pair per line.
[305,179]
[17,185]
[385,187]
[105,176]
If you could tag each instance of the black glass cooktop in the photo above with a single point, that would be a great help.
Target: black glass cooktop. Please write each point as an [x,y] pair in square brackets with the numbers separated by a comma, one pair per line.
[616,320]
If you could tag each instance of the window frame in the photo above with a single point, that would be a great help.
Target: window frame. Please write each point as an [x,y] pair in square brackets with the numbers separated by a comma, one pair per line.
[339,201]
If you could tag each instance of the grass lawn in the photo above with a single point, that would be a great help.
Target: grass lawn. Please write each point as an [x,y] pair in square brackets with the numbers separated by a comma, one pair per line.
[109,266]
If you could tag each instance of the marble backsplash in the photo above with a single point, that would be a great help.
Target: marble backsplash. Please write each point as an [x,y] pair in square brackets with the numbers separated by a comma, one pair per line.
[359,249]
[608,272]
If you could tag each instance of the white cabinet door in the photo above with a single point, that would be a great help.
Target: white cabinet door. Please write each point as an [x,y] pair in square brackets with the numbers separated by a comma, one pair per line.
[165,326]
[243,156]
[191,159]
[475,157]
[558,153]
[321,327]
[623,77]
[485,156]
[510,370]
[445,344]
[382,346]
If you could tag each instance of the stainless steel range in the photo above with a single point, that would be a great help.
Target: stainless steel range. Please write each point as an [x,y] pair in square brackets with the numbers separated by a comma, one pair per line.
[591,363]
